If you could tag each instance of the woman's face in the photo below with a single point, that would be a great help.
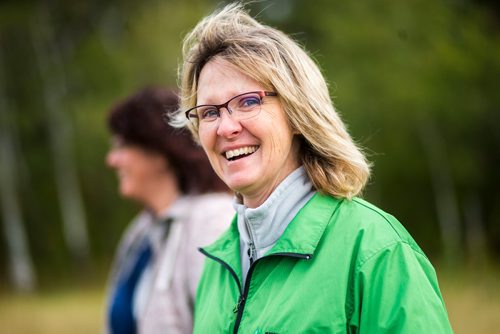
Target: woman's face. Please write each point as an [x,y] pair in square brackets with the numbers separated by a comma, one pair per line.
[138,170]
[268,136]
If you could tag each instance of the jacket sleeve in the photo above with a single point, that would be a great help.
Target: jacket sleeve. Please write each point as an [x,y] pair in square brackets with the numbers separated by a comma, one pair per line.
[396,291]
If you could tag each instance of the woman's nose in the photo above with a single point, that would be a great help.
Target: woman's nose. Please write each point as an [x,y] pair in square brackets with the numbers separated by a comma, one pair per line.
[112,158]
[228,126]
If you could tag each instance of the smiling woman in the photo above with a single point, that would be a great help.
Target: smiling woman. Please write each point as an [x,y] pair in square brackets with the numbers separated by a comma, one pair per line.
[304,254]
[267,135]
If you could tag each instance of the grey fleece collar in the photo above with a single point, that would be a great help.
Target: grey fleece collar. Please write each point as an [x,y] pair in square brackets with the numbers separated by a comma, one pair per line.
[265,224]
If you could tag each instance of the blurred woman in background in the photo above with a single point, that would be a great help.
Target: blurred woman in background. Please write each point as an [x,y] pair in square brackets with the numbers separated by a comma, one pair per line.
[157,264]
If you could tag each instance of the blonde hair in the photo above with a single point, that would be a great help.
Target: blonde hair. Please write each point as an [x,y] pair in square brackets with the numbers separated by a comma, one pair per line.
[333,162]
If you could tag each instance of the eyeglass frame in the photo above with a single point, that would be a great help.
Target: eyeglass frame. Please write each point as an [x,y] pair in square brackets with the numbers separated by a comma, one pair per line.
[262,94]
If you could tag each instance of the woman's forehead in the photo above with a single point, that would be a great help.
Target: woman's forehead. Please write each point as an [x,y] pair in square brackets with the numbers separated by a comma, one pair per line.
[220,80]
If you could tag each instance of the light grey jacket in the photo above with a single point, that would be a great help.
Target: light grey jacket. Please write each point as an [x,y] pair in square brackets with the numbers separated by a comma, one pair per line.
[168,301]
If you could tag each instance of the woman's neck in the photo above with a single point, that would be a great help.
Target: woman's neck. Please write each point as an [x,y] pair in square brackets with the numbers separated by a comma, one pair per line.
[162,194]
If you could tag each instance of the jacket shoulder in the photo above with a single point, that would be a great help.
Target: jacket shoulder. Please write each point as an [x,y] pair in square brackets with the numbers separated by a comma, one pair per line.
[214,207]
[207,217]
[373,229]
[212,203]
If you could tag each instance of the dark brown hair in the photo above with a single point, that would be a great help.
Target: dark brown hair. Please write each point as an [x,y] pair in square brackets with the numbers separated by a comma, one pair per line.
[141,120]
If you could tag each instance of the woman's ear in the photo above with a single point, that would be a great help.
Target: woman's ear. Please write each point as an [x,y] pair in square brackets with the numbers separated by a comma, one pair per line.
[159,161]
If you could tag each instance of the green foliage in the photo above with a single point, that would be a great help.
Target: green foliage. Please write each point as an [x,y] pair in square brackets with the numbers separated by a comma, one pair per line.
[396,69]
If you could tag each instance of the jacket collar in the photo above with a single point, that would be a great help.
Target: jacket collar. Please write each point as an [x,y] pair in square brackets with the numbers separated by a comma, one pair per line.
[306,229]
[300,237]
[227,248]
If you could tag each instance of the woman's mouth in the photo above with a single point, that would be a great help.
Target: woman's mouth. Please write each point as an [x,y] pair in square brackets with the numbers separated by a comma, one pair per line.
[241,152]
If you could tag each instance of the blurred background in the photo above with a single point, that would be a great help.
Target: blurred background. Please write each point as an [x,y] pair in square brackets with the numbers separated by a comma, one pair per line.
[417,82]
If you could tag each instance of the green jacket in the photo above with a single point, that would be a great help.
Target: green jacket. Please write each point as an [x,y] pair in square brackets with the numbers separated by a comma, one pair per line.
[340,267]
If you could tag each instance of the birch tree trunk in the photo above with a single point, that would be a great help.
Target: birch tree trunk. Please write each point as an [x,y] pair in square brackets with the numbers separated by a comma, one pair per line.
[475,232]
[21,270]
[61,137]
[444,193]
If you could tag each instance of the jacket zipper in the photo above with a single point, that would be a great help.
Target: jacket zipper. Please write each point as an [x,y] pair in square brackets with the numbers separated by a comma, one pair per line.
[252,252]
[240,306]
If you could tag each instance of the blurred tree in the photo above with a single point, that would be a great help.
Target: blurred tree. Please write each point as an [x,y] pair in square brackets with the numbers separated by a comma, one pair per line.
[416,81]
[76,59]
[21,270]
[445,196]
[51,65]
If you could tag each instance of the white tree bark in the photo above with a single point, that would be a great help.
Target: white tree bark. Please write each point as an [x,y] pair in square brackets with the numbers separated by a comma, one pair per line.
[475,232]
[444,191]
[21,270]
[61,137]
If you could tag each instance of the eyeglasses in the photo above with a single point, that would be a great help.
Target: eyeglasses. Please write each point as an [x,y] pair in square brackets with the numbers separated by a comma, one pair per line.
[240,107]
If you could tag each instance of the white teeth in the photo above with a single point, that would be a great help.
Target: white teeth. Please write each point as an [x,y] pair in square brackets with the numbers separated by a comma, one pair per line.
[240,151]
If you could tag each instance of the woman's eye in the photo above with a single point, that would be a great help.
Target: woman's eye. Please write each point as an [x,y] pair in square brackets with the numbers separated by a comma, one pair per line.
[249,101]
[209,113]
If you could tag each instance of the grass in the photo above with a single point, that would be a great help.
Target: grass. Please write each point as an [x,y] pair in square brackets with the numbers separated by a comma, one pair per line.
[61,312]
[472,299]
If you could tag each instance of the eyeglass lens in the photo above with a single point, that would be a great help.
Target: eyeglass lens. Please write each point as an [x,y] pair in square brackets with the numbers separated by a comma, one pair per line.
[239,107]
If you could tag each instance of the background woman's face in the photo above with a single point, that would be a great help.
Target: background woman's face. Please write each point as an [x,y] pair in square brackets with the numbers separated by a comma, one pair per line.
[271,151]
[137,170]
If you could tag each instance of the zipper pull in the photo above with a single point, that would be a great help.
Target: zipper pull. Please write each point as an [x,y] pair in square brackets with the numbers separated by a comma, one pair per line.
[238,304]
[251,252]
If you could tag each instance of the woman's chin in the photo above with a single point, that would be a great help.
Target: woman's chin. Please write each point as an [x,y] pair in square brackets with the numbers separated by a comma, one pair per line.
[242,187]
[126,191]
